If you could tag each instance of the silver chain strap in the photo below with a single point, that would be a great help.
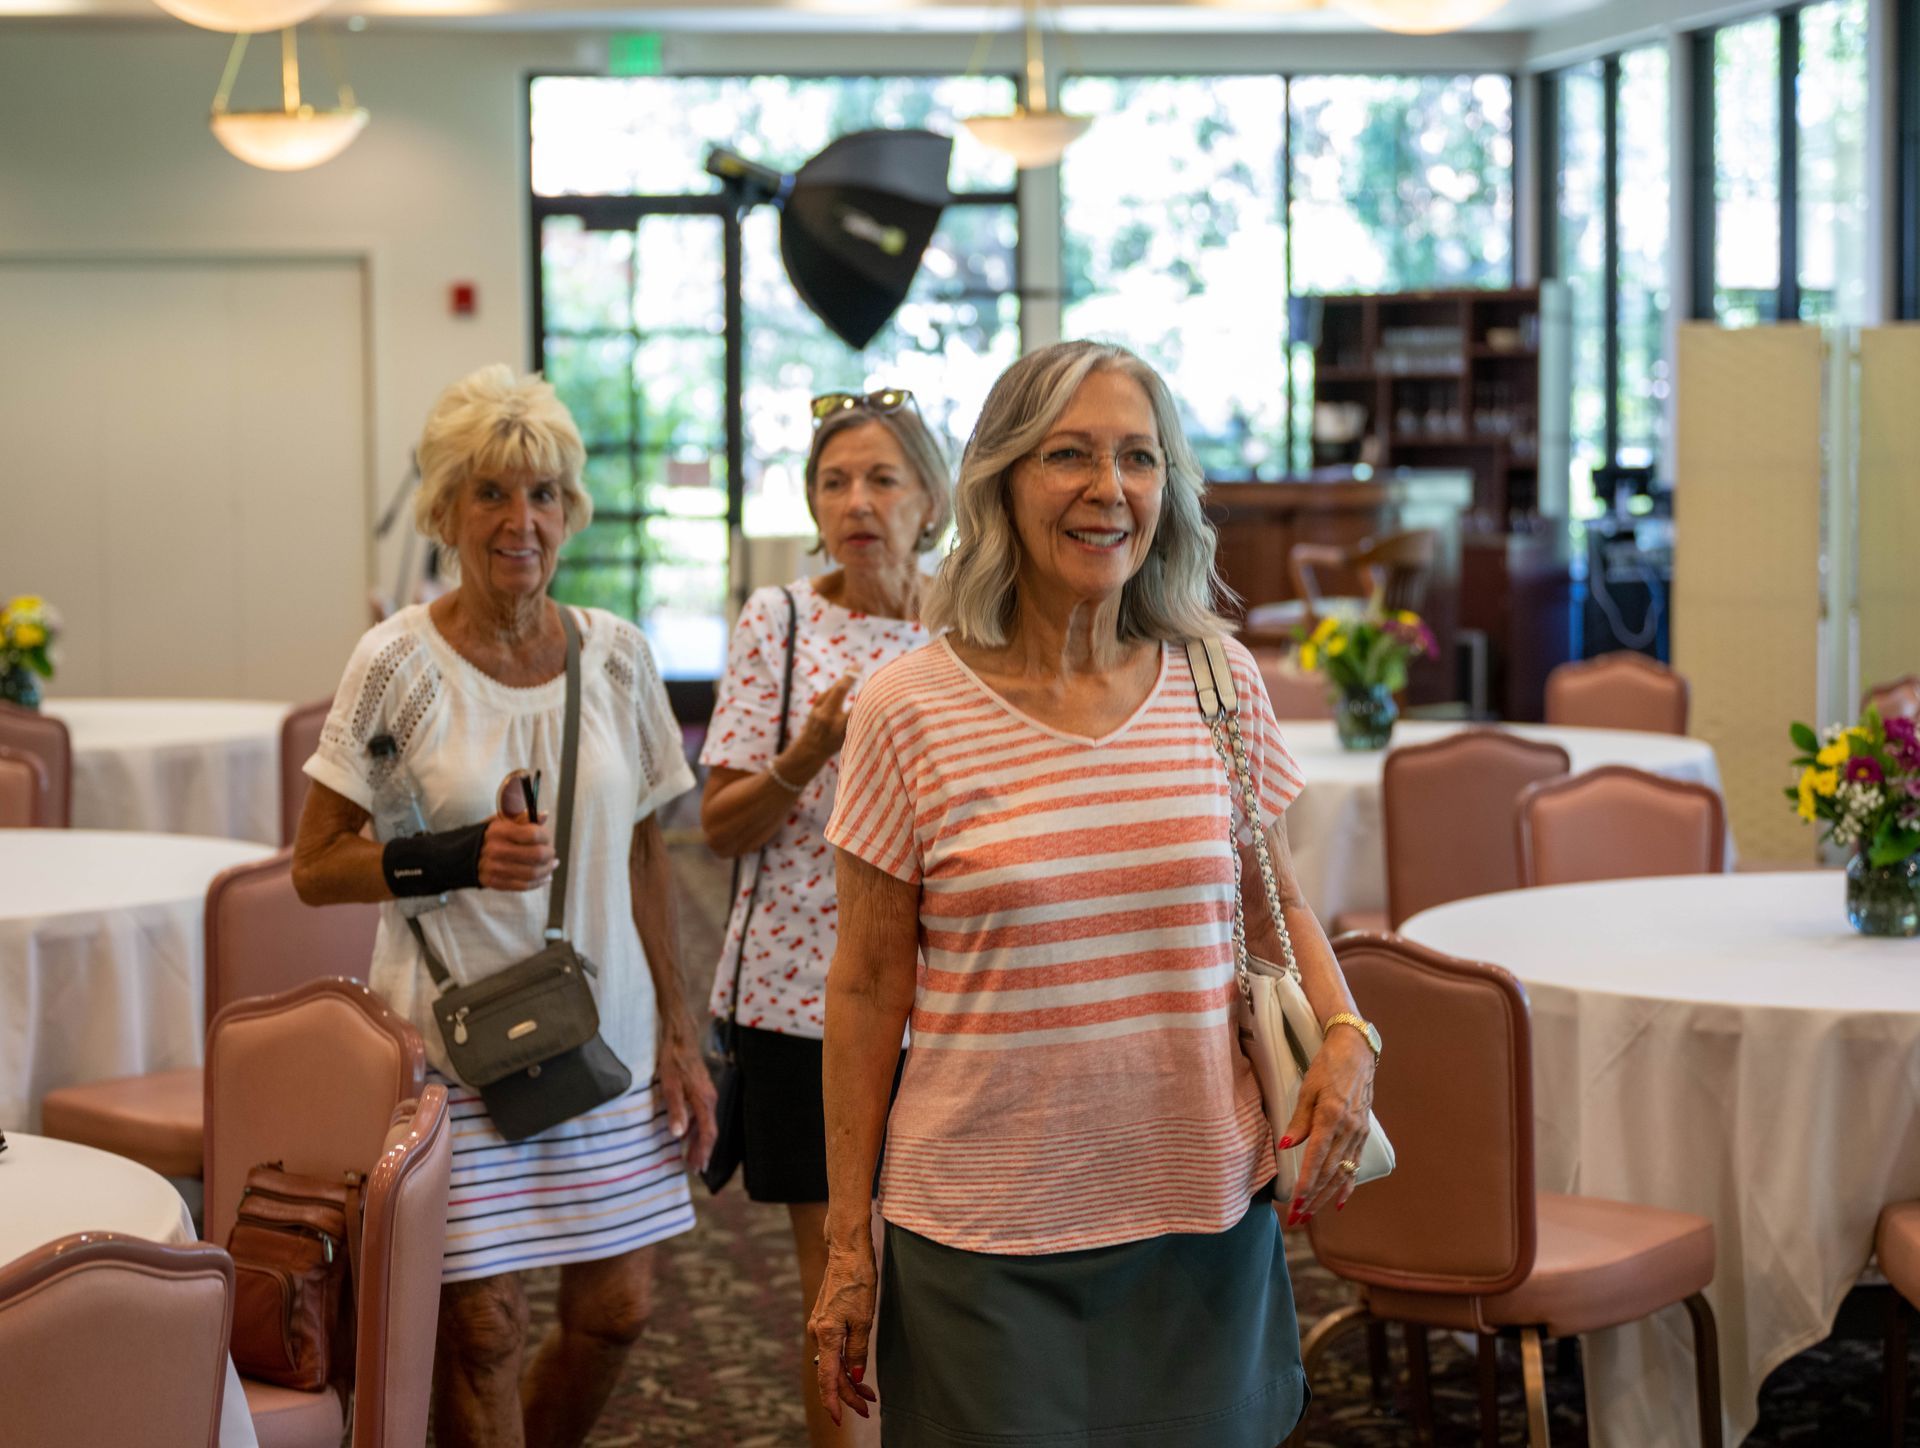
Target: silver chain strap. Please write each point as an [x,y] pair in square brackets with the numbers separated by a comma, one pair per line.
[1225,726]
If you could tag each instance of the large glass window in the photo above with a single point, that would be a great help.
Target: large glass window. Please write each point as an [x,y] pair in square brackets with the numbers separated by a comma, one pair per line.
[633,318]
[1580,261]
[1832,171]
[1746,172]
[1643,216]
[1197,205]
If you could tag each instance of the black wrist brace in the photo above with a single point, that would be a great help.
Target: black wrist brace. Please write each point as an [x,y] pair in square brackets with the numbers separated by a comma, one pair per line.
[434,864]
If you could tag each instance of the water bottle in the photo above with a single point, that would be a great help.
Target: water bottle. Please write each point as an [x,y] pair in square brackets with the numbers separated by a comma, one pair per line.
[396,811]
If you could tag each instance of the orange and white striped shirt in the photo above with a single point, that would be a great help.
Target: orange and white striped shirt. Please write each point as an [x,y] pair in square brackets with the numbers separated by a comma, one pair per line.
[1074,1079]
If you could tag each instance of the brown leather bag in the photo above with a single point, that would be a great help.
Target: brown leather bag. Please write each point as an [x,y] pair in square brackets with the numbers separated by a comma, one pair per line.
[295,1246]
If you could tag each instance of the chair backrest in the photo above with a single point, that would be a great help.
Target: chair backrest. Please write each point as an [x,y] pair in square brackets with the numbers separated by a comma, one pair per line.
[1618,823]
[46,739]
[299,737]
[308,1078]
[1295,695]
[110,1339]
[1458,1214]
[1447,809]
[399,1301]
[23,790]
[263,939]
[1895,699]
[1621,690]
[1399,565]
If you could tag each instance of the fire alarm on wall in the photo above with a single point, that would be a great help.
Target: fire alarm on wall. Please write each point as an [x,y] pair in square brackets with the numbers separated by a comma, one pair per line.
[462,298]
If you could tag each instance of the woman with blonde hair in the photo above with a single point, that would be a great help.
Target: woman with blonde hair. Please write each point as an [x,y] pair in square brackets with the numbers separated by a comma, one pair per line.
[876,485]
[1078,1170]
[457,695]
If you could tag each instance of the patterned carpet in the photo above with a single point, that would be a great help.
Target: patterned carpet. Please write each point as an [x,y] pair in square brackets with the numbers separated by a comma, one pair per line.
[720,1360]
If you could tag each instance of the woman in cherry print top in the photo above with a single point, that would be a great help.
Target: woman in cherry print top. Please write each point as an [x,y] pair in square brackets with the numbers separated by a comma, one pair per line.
[878,490]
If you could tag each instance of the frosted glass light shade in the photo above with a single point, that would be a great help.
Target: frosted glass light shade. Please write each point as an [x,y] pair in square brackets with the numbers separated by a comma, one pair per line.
[1032,138]
[288,140]
[248,16]
[1420,17]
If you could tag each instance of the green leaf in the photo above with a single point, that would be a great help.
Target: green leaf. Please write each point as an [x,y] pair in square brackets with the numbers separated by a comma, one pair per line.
[1892,846]
[1805,739]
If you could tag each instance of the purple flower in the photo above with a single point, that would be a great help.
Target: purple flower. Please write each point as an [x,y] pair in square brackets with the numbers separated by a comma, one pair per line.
[1900,730]
[1861,769]
[1912,787]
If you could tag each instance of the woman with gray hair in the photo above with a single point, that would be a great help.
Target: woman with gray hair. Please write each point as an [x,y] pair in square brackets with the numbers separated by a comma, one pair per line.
[457,695]
[877,488]
[1079,1241]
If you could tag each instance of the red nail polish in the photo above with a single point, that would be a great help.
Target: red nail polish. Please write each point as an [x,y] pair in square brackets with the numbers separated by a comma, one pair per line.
[1299,1202]
[1285,1142]
[1341,1208]
[856,1371]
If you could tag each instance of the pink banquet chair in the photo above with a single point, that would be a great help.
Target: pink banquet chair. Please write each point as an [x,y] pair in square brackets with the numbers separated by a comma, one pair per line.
[260,939]
[299,737]
[24,792]
[28,731]
[1895,699]
[108,1339]
[1459,1238]
[1622,690]
[1447,814]
[1618,823]
[1295,695]
[311,1078]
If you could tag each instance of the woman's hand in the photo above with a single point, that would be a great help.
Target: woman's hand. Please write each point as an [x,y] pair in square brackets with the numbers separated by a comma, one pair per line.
[687,1089]
[825,728]
[1331,1120]
[841,1325]
[516,855]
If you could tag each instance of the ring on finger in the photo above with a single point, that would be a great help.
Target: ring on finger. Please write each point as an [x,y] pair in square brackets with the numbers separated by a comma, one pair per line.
[816,1359]
[1350,1166]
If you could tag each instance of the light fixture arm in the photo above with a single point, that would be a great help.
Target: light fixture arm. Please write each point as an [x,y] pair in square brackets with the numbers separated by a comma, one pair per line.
[1036,62]
[230,74]
[289,72]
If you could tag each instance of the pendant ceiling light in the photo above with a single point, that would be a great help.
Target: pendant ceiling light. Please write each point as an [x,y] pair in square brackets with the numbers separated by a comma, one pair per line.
[296,136]
[1420,17]
[248,17]
[1033,134]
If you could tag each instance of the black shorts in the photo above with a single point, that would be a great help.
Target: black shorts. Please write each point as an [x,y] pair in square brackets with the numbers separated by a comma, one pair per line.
[782,1104]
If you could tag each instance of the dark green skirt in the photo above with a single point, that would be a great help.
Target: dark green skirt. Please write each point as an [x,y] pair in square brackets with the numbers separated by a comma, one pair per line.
[1181,1341]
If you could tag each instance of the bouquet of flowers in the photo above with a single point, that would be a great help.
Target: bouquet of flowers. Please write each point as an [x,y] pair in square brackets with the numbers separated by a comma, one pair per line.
[28,628]
[1863,780]
[1357,655]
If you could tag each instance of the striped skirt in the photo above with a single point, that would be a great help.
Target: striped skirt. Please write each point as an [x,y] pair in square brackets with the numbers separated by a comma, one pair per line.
[596,1186]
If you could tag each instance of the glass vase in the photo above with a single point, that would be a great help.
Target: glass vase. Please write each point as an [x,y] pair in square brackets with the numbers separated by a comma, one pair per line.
[1884,899]
[1363,718]
[20,685]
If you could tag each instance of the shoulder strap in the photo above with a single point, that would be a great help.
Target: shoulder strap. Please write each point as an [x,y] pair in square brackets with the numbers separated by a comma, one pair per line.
[1212,678]
[780,743]
[563,828]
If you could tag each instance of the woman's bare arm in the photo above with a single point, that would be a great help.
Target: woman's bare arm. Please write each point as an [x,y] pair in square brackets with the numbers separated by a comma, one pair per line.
[685,1084]
[740,810]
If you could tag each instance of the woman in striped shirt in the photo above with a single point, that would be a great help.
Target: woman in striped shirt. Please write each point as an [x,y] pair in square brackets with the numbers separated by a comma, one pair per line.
[1035,865]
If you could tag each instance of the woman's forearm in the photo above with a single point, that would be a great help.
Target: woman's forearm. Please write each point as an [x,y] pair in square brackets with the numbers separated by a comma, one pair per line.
[1320,976]
[657,919]
[741,811]
[333,863]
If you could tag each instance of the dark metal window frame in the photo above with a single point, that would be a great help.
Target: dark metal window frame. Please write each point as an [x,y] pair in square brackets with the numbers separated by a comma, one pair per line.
[1906,209]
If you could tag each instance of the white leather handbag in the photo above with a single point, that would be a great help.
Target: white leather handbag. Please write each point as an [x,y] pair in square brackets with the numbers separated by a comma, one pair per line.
[1278,1029]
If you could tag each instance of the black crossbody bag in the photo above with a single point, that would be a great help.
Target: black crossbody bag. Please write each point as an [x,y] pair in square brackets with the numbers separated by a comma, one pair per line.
[528,1037]
[722,1043]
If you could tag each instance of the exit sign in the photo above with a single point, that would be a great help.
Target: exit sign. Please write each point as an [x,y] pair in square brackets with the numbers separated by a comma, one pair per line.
[634,55]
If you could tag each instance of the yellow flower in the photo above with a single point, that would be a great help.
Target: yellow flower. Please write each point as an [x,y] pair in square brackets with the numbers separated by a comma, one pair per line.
[1336,646]
[1825,782]
[1407,617]
[1324,630]
[1805,808]
[1309,656]
[29,636]
[26,603]
[1834,755]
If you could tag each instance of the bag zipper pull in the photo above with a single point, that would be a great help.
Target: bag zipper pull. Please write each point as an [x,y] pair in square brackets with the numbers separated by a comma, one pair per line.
[460,1026]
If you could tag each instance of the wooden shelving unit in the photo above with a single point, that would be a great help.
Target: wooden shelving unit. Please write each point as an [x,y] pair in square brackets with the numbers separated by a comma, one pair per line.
[1447,379]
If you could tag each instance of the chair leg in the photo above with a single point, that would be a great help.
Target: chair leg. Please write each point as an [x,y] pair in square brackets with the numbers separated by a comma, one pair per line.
[1314,1346]
[1706,1369]
[1533,1371]
[1379,1364]
[1487,1365]
[1893,1407]
[1419,1383]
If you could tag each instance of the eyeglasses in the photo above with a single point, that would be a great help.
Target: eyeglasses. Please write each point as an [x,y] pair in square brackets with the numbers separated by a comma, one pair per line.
[885,399]
[1076,464]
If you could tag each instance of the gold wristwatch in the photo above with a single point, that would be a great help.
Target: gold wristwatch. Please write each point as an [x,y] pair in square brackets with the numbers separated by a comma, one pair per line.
[1368,1031]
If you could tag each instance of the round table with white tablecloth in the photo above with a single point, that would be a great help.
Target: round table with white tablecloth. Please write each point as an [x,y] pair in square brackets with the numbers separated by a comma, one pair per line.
[102,956]
[52,1189]
[1334,827]
[1718,1044]
[175,766]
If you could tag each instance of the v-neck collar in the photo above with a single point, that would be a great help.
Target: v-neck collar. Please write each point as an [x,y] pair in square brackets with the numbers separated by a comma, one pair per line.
[1085,741]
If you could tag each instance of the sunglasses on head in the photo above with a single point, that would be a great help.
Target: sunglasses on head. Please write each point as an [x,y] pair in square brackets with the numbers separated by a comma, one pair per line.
[885,399]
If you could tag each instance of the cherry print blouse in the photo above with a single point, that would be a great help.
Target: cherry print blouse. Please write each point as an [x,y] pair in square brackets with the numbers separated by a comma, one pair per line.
[783,974]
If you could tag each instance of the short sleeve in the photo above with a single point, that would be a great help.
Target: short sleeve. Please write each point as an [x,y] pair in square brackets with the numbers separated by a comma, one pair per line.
[383,674]
[663,774]
[744,732]
[1279,776]
[873,817]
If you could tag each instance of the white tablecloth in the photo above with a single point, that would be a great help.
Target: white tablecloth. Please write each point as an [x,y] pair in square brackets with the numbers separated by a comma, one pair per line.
[50,1189]
[102,957]
[175,766]
[1334,826]
[1725,1045]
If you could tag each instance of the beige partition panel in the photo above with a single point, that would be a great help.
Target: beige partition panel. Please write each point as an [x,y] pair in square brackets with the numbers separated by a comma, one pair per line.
[1746,587]
[1889,582]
